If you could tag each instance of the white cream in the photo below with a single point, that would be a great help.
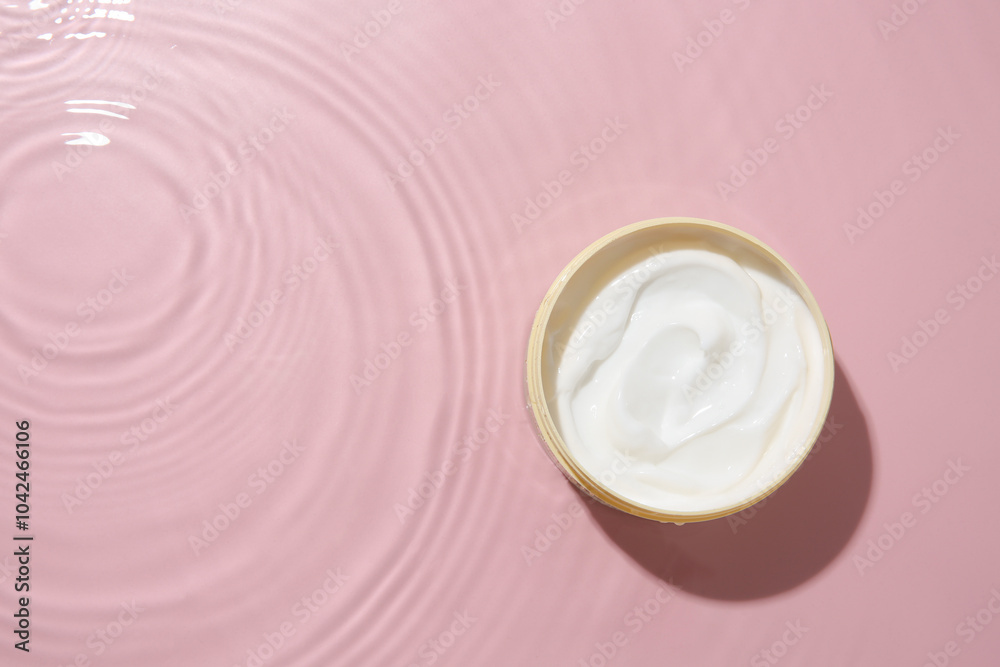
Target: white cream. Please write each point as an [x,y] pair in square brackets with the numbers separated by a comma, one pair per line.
[690,381]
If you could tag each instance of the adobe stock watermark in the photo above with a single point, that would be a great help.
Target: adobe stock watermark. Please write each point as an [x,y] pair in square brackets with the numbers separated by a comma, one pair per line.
[967,630]
[253,145]
[581,159]
[432,481]
[138,434]
[598,314]
[787,126]
[434,648]
[561,523]
[420,321]
[101,639]
[740,519]
[76,153]
[771,655]
[135,437]
[915,167]
[37,21]
[560,12]
[258,482]
[698,44]
[303,611]
[370,29]
[293,278]
[924,501]
[452,119]
[749,333]
[622,294]
[546,536]
[88,310]
[958,297]
[899,17]
[634,621]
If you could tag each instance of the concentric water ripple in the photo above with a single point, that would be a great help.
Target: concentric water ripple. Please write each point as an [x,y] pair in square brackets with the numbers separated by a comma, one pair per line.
[269,326]
[209,246]
[202,276]
[204,264]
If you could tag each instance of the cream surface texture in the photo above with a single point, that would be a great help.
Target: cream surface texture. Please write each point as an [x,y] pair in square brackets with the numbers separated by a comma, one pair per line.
[691,381]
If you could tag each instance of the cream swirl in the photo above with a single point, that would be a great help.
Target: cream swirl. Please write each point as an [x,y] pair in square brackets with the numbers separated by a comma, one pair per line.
[688,366]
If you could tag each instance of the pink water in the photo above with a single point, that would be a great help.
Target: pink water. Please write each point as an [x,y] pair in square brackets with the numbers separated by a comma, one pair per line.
[290,292]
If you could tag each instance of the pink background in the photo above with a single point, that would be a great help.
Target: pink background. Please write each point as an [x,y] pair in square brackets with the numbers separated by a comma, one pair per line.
[829,571]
